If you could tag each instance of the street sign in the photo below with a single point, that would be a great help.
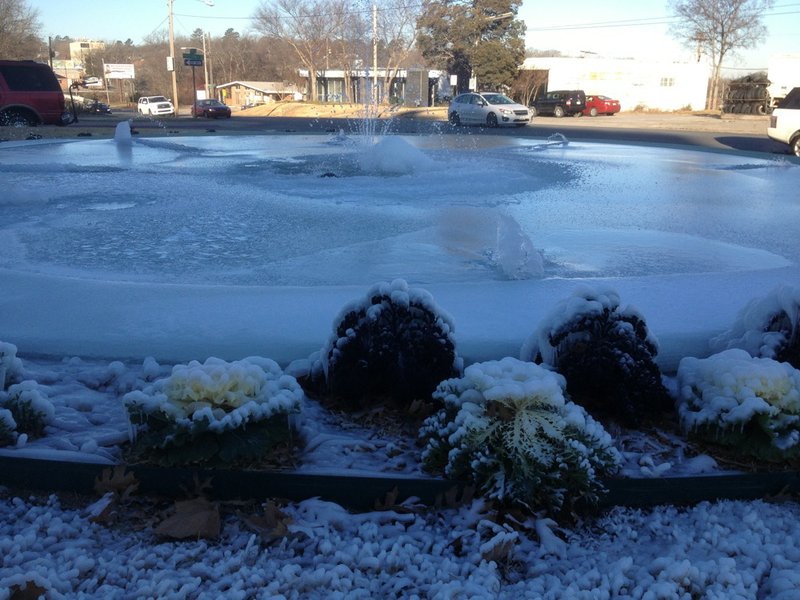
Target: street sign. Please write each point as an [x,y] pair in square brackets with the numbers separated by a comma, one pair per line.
[193,59]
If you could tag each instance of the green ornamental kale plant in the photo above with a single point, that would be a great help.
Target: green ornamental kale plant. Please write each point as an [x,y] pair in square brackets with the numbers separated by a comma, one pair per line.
[507,427]
[215,413]
[606,354]
[394,344]
[749,404]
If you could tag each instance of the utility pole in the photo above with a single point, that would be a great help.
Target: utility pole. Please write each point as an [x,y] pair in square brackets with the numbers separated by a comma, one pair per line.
[205,66]
[171,60]
[375,53]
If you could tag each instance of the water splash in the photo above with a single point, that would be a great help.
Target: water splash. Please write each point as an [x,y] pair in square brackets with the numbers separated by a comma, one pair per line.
[122,134]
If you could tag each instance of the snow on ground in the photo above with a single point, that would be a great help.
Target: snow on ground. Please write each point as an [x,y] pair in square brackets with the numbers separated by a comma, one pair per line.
[189,248]
[725,550]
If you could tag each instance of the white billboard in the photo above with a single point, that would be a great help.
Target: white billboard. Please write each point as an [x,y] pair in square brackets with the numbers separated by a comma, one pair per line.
[118,71]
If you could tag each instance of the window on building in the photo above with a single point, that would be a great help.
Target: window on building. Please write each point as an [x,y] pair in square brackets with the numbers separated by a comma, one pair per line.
[667,82]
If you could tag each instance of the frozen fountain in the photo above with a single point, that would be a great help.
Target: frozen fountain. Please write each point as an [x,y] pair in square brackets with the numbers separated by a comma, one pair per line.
[191,247]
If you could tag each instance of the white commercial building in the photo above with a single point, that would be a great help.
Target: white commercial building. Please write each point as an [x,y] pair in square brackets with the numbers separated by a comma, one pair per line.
[637,84]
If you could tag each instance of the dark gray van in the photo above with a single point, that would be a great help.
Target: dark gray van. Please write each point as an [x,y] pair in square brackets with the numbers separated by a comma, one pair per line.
[30,95]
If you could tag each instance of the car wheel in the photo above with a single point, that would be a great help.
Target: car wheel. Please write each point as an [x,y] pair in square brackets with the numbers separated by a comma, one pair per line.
[491,120]
[14,118]
[455,119]
[796,146]
[593,112]
[558,111]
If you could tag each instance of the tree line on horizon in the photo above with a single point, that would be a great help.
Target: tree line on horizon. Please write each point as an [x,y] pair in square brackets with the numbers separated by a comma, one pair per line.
[481,39]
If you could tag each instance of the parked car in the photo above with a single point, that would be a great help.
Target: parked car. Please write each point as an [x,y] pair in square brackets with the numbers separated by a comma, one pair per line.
[30,95]
[559,103]
[155,106]
[784,122]
[95,107]
[600,105]
[487,108]
[211,109]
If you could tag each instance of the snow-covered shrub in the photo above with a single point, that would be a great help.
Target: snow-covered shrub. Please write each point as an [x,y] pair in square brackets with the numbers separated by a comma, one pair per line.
[8,427]
[10,365]
[395,343]
[752,404]
[606,354]
[768,327]
[507,427]
[215,412]
[30,408]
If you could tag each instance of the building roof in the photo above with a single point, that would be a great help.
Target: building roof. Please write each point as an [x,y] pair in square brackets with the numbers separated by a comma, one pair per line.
[267,87]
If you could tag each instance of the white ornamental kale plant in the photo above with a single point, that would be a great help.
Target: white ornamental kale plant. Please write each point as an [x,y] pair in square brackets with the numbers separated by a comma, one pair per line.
[215,412]
[767,327]
[751,404]
[507,427]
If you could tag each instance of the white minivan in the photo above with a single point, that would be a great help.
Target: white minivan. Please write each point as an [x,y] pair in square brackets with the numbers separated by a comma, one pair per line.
[784,123]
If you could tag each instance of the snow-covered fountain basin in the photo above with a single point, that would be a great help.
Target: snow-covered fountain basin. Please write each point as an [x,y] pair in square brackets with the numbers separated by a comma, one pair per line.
[232,246]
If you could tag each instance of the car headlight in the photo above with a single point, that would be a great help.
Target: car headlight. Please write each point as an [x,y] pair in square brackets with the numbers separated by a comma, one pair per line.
[506,111]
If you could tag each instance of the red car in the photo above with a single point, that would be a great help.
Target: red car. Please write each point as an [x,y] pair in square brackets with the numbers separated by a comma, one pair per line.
[600,105]
[211,109]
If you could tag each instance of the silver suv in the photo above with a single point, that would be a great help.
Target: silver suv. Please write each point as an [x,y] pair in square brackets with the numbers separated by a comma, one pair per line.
[784,123]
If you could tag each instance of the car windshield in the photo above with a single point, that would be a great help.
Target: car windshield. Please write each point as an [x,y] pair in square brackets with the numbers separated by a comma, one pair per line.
[209,103]
[158,99]
[498,99]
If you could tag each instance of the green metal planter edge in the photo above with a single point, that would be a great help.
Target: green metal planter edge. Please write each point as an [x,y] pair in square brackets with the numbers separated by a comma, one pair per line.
[361,492]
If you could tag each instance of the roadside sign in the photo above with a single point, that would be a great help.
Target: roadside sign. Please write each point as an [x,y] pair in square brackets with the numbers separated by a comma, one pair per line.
[193,59]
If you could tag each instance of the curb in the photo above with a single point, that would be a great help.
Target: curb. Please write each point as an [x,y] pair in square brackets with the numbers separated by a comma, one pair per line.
[362,492]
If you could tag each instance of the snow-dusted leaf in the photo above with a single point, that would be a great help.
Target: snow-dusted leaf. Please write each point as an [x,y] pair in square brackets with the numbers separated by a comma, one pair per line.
[196,518]
[271,525]
[116,480]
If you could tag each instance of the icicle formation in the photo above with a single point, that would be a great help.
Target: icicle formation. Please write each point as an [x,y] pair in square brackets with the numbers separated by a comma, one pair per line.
[752,404]
[24,410]
[507,427]
[767,327]
[396,343]
[606,354]
[215,411]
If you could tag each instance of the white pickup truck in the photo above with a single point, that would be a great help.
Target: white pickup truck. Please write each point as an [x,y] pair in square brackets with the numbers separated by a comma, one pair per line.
[784,123]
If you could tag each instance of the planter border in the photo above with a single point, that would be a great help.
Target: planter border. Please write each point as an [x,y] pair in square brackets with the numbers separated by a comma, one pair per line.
[362,492]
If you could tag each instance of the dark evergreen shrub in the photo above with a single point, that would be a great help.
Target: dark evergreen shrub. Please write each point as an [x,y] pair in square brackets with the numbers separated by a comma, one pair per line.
[767,327]
[395,344]
[606,354]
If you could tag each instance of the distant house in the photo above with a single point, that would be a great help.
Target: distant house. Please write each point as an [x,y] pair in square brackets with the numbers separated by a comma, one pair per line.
[252,93]
[647,84]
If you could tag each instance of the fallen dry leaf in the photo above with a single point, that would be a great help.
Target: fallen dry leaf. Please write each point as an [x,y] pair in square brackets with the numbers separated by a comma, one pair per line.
[196,518]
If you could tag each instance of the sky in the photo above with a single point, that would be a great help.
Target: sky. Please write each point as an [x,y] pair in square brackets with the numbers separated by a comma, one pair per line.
[613,28]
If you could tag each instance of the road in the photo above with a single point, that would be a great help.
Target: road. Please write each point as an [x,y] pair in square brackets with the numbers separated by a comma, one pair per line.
[706,132]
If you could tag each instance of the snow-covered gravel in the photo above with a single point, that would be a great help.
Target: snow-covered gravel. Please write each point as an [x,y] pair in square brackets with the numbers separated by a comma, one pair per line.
[725,550]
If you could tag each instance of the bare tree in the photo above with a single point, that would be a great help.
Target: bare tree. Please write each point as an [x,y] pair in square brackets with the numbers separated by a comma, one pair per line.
[19,31]
[527,85]
[397,32]
[718,28]
[308,26]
